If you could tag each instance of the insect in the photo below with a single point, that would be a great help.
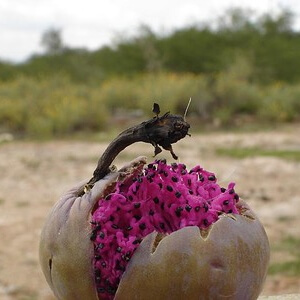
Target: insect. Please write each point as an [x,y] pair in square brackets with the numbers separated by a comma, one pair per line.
[160,131]
[156,109]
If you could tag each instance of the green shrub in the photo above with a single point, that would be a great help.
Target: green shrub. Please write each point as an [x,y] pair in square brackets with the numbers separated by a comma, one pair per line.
[47,108]
[235,94]
[281,103]
[58,106]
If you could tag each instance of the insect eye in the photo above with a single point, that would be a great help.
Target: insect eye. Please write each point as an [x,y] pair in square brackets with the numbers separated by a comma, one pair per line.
[178,125]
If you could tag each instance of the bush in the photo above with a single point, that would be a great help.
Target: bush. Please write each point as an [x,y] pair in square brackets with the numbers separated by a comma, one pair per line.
[58,106]
[235,98]
[281,103]
[46,108]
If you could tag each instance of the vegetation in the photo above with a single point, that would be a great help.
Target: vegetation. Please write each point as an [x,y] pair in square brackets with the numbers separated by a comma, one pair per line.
[246,152]
[291,267]
[244,70]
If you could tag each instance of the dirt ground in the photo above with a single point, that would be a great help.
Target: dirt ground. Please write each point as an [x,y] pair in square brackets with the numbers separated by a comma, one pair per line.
[35,174]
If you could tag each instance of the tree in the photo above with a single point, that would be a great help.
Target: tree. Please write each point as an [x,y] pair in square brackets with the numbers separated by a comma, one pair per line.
[52,41]
[283,23]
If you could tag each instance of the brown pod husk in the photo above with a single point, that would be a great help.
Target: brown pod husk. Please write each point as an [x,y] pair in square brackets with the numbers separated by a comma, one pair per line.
[66,251]
[228,261]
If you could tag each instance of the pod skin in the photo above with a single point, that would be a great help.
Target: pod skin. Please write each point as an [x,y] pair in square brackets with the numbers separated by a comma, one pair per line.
[228,261]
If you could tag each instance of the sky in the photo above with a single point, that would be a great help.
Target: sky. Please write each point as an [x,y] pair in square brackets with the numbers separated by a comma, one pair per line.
[93,23]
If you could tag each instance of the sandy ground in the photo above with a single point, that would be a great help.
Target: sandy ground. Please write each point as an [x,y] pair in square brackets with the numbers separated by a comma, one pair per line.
[35,174]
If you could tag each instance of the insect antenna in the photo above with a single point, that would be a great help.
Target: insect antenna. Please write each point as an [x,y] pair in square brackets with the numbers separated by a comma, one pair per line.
[187,108]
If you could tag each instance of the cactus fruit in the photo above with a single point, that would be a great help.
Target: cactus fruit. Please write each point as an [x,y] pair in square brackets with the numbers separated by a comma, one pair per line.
[155,231]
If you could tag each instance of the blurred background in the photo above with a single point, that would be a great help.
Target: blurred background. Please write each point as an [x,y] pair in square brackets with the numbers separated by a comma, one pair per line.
[72,75]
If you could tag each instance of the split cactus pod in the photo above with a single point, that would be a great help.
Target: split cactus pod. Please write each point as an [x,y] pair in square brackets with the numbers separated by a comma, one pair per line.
[226,259]
[155,231]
